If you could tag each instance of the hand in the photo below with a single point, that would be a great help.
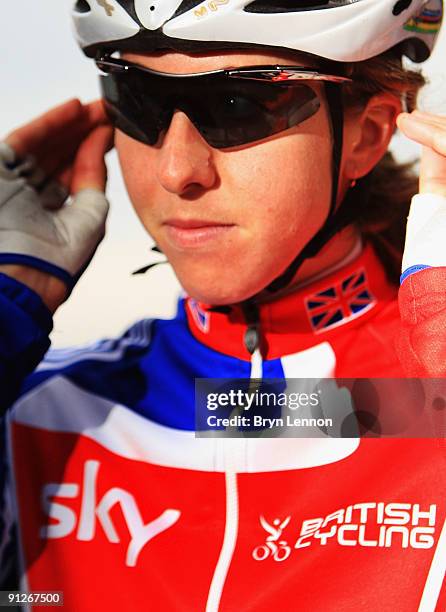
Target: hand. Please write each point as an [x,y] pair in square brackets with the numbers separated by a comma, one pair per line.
[45,243]
[426,225]
[429,131]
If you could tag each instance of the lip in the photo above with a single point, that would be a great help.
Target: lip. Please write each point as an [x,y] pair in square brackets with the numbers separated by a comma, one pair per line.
[195,233]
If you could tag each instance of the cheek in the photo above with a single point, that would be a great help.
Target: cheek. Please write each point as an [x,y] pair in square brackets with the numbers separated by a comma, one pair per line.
[284,188]
[137,163]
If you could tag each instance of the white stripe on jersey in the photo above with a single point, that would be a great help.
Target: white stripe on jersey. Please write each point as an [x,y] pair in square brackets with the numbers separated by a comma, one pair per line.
[316,362]
[60,405]
[104,350]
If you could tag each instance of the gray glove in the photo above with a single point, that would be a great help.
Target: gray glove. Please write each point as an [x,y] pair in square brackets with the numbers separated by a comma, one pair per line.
[40,226]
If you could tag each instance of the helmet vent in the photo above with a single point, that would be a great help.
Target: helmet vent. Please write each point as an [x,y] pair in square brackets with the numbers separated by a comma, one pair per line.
[401,6]
[82,6]
[287,6]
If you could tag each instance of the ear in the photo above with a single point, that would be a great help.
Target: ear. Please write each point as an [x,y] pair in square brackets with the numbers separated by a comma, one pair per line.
[367,134]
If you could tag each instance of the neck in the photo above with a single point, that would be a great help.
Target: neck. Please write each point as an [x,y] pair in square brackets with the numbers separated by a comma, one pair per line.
[337,252]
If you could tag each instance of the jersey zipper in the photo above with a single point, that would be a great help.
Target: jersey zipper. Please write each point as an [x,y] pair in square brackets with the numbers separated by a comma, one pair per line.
[231,449]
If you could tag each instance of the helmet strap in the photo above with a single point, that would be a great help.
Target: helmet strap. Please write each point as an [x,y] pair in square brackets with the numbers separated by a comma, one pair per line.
[337,218]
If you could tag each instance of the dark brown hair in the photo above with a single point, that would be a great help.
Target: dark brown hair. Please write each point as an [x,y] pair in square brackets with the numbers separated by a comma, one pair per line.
[383,219]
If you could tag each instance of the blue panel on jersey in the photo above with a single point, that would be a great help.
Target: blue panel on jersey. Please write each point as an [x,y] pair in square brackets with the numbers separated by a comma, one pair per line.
[175,359]
[156,380]
[273,369]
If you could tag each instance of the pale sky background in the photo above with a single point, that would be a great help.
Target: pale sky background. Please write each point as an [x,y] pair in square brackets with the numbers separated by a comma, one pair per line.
[42,66]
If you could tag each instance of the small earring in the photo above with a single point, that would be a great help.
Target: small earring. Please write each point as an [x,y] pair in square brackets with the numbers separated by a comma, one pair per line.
[353,183]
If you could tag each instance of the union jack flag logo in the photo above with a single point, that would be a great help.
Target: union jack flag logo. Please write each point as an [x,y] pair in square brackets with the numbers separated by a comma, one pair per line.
[340,303]
[201,317]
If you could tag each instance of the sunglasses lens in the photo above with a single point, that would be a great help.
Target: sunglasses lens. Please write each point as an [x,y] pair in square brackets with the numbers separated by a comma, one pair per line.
[251,111]
[227,112]
[133,110]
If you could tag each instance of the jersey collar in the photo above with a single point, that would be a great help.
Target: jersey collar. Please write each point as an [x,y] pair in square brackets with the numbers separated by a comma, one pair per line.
[310,315]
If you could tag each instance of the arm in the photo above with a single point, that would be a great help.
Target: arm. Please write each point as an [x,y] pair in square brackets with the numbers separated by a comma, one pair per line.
[25,324]
[422,297]
[45,243]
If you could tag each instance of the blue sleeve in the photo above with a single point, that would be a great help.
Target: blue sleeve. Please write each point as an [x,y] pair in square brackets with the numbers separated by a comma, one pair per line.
[9,563]
[25,324]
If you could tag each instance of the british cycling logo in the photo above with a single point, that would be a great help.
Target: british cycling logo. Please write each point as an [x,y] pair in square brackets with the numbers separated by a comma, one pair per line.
[368,524]
[274,546]
[93,511]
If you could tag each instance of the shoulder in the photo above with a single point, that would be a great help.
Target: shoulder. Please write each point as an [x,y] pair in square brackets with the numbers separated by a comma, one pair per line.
[117,368]
[108,366]
[131,372]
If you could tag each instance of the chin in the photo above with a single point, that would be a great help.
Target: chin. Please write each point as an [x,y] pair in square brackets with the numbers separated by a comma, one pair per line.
[221,293]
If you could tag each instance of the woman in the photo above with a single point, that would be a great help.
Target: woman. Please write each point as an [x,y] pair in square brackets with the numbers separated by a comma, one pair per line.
[253,175]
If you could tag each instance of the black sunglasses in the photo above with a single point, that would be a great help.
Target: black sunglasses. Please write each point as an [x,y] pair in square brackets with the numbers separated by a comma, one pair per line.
[229,107]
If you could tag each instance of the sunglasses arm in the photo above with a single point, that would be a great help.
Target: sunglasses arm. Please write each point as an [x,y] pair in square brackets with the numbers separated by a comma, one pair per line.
[269,74]
[274,74]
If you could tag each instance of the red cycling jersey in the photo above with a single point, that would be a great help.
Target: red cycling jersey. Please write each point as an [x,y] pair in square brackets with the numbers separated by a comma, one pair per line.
[124,508]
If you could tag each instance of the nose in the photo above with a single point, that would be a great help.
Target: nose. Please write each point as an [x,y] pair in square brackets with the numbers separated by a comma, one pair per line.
[185,159]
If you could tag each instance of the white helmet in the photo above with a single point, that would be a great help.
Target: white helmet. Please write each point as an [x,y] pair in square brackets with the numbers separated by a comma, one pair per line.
[339,30]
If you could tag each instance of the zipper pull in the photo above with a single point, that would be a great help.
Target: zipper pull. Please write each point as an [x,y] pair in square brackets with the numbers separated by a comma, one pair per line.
[252,338]
[256,364]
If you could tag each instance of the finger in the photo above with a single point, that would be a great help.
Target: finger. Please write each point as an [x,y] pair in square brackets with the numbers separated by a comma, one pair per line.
[66,144]
[96,112]
[65,176]
[40,135]
[430,116]
[89,169]
[432,172]
[66,141]
[434,120]
[25,139]
[53,195]
[423,131]
[431,133]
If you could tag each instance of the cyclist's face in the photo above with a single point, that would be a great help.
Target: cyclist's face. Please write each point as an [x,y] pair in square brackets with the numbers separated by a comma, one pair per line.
[231,220]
